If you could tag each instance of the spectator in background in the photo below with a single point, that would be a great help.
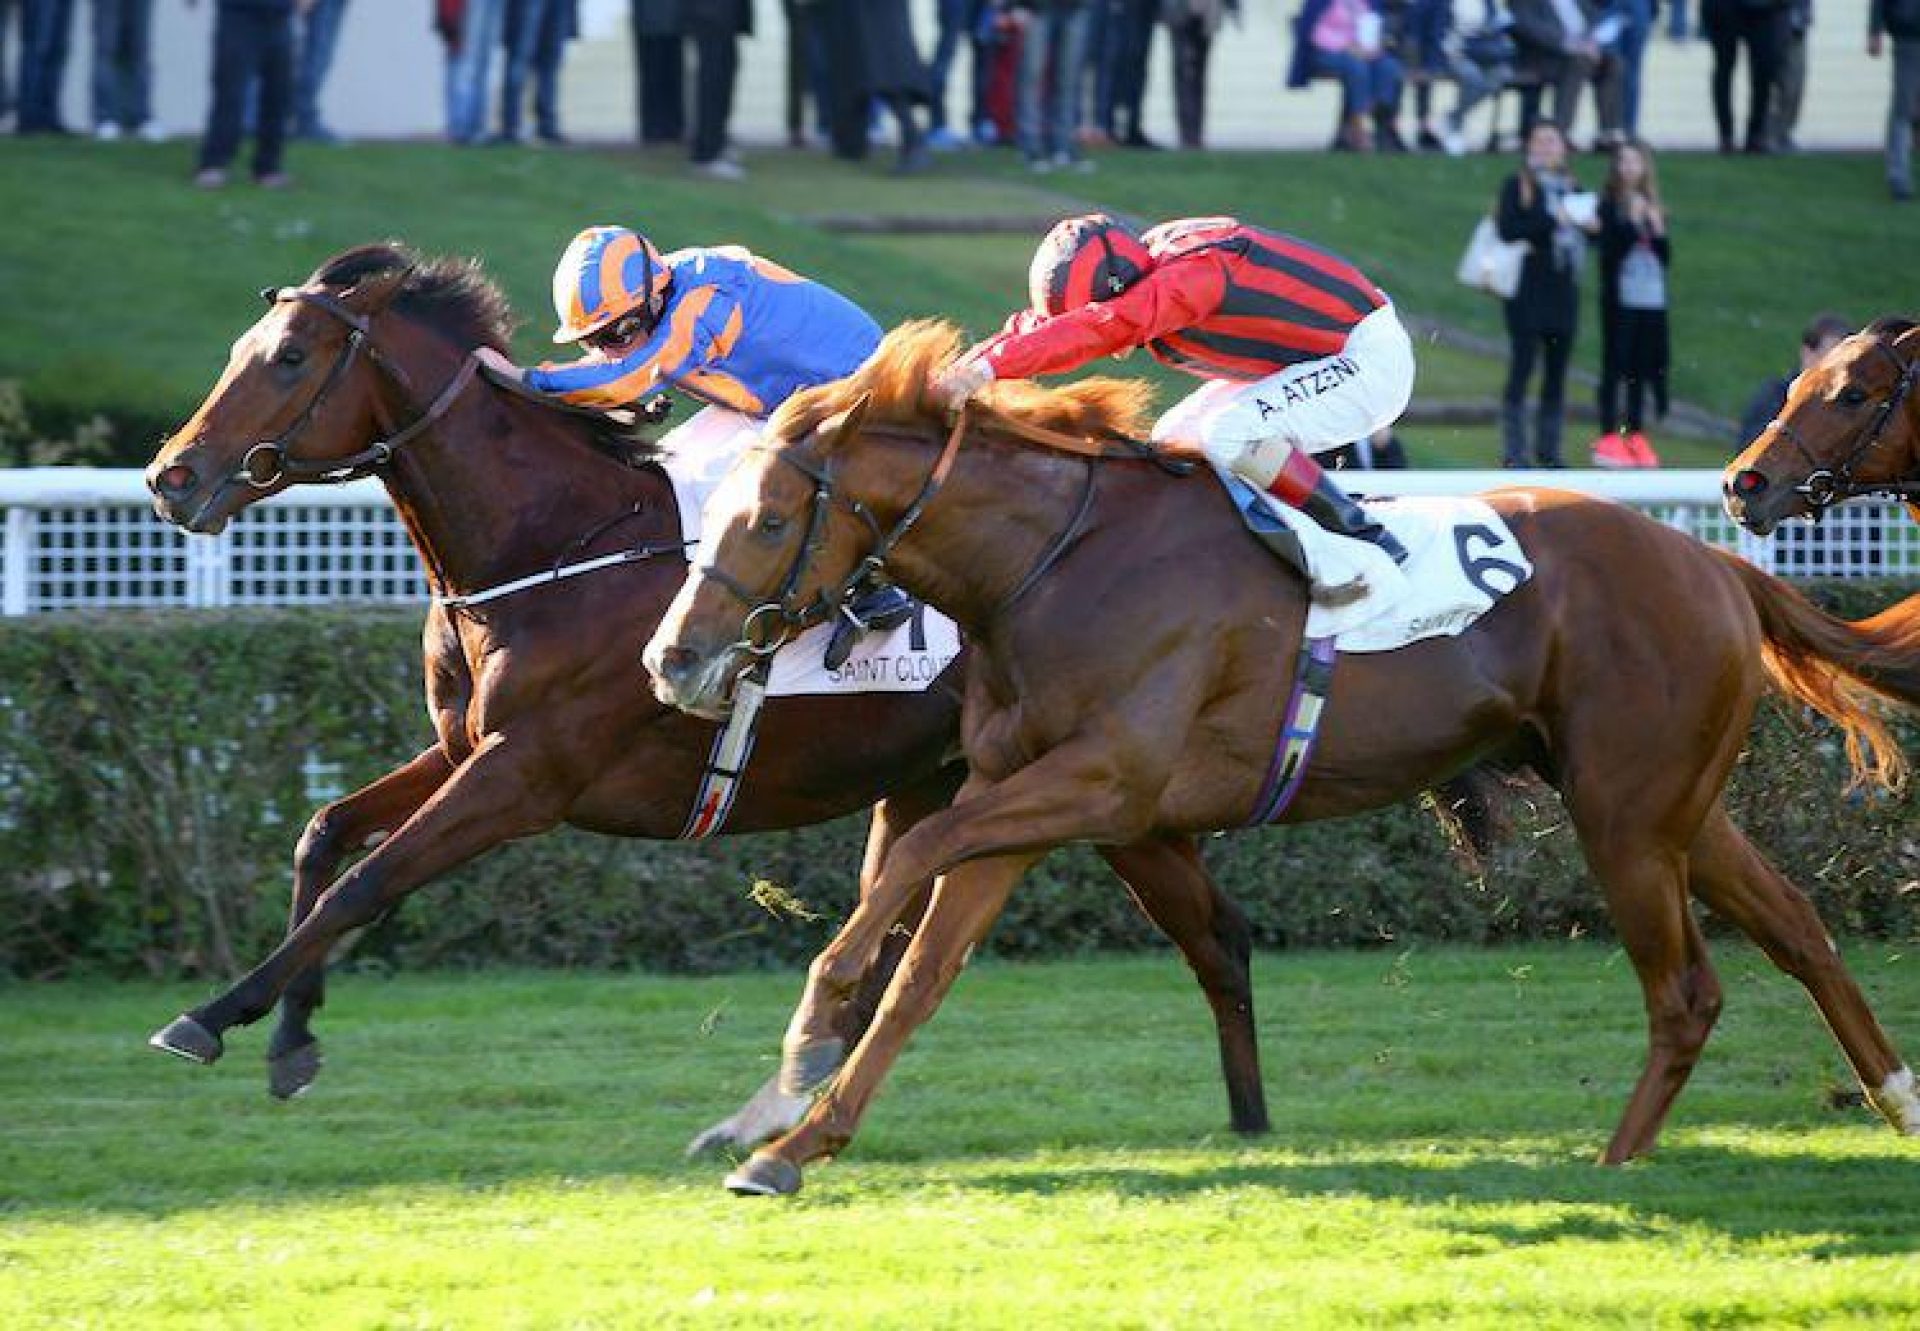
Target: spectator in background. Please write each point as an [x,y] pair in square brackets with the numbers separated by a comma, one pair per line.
[1634,254]
[1565,43]
[471,29]
[1478,58]
[1899,20]
[9,17]
[46,32]
[535,35]
[1760,26]
[315,34]
[1342,40]
[252,61]
[1191,25]
[1542,205]
[1821,335]
[1053,37]
[1379,451]
[1633,22]
[958,19]
[1677,20]
[1790,84]
[715,28]
[659,71]
[1121,82]
[123,70]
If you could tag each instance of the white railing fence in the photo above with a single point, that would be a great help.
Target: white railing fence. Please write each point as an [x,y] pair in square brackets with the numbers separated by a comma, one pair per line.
[79,538]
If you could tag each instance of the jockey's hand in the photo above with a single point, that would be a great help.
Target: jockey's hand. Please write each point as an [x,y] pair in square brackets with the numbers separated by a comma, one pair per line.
[498,364]
[960,381]
[654,410]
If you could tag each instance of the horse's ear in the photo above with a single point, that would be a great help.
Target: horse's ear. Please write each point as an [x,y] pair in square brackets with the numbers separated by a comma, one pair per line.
[371,294]
[845,427]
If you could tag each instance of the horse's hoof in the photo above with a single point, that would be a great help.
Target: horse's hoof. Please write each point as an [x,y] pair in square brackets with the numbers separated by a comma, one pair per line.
[764,1176]
[290,1073]
[186,1038]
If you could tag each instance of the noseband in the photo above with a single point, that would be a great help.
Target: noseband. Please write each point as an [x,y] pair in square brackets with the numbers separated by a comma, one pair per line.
[1826,486]
[268,463]
[771,624]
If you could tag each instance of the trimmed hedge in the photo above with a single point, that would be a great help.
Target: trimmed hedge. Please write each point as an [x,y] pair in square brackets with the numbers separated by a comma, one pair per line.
[156,770]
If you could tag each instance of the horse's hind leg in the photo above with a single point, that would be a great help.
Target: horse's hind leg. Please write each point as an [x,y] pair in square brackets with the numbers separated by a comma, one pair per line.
[1646,898]
[333,833]
[775,1108]
[1737,883]
[1172,886]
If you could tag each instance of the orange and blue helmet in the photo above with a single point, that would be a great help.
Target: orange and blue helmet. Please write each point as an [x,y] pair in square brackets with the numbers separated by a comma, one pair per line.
[1085,259]
[606,272]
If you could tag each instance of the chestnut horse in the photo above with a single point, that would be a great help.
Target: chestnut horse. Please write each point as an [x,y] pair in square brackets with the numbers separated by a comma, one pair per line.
[1850,427]
[541,715]
[1132,644]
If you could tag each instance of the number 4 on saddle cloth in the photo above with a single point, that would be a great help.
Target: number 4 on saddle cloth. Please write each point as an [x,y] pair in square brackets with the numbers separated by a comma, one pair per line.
[1461,559]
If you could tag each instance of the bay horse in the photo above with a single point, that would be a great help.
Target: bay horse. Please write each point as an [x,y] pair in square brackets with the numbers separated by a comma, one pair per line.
[540,712]
[1850,427]
[1131,642]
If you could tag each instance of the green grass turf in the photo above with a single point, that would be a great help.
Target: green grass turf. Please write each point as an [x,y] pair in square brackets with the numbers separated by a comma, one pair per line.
[125,286]
[503,1150]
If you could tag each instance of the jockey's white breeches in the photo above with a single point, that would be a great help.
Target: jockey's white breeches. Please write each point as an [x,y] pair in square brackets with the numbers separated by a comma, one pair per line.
[1317,405]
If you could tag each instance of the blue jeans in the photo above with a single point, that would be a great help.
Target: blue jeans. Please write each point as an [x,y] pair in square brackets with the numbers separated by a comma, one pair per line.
[1051,59]
[317,34]
[467,70]
[122,62]
[535,44]
[46,26]
[958,18]
[1365,85]
[1631,47]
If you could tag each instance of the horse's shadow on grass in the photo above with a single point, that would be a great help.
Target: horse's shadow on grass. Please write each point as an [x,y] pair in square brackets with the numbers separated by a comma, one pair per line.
[1848,1207]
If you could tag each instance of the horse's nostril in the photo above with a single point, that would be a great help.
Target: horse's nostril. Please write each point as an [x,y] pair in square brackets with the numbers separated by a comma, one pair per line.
[176,479]
[675,662]
[1747,484]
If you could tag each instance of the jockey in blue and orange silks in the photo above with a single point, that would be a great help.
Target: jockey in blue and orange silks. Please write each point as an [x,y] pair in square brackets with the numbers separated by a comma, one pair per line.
[722,325]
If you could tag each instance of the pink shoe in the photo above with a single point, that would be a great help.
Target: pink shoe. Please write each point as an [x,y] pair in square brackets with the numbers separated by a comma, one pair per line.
[1613,452]
[1643,454]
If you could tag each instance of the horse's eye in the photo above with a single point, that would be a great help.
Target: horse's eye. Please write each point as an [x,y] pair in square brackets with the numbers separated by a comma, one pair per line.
[290,356]
[771,524]
[1852,396]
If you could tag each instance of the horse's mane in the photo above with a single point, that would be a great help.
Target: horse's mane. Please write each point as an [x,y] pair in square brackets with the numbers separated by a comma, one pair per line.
[894,381]
[452,295]
[455,298]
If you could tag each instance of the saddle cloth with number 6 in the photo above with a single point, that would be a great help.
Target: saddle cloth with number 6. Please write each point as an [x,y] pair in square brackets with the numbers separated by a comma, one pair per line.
[1461,559]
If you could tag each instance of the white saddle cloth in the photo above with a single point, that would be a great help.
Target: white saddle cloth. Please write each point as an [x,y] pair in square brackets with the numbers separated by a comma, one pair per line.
[696,457]
[1461,558]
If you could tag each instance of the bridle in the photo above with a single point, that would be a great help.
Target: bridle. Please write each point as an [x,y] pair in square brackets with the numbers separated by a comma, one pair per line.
[272,461]
[1826,486]
[770,624]
[785,617]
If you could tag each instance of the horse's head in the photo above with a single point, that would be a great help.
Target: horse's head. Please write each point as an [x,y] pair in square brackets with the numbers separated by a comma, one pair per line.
[782,546]
[301,398]
[1850,426]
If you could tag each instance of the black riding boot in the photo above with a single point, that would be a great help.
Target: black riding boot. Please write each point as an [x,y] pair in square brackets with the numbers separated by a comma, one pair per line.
[875,606]
[1336,510]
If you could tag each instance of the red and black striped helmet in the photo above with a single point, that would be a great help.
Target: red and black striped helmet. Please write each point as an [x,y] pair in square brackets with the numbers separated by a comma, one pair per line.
[1085,259]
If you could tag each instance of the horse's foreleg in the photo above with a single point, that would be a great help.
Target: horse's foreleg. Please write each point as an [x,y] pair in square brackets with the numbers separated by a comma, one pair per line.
[490,799]
[820,1032]
[1066,795]
[964,905]
[336,831]
[1738,884]
[1171,884]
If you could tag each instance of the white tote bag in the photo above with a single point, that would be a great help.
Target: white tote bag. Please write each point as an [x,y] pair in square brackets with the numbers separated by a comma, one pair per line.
[1491,264]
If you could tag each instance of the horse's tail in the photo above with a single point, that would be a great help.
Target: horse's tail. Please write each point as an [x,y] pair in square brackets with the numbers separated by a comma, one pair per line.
[1840,668]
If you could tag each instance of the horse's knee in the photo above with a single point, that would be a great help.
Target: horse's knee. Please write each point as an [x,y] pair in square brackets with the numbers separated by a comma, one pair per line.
[836,974]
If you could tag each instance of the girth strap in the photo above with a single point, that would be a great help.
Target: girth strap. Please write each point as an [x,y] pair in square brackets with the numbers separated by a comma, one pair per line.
[1299,730]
